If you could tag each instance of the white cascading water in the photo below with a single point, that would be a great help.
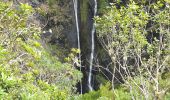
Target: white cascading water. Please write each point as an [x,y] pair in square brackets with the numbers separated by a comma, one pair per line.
[78,34]
[92,48]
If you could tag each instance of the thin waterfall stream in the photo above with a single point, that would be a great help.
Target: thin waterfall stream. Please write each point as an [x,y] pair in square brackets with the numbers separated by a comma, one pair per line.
[78,35]
[92,48]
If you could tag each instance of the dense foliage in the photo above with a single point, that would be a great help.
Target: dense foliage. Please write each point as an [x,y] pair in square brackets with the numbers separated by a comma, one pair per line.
[136,36]
[27,70]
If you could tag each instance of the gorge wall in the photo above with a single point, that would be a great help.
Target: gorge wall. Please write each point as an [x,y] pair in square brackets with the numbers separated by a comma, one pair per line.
[60,17]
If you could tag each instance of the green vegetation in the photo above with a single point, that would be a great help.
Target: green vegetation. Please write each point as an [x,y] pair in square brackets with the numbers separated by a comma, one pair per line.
[27,70]
[102,94]
[84,11]
[135,35]
[102,4]
[137,39]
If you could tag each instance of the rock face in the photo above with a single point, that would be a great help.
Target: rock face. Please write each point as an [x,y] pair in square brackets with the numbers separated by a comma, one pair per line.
[63,20]
[60,17]
[86,13]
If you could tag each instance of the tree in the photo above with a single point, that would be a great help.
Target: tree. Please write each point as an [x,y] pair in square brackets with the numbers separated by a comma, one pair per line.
[137,39]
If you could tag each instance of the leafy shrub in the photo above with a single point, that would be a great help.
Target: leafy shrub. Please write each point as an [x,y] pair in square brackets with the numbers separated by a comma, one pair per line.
[136,36]
[27,70]
[104,93]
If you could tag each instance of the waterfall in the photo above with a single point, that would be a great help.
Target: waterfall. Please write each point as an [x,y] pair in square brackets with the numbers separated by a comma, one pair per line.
[92,48]
[77,24]
[78,34]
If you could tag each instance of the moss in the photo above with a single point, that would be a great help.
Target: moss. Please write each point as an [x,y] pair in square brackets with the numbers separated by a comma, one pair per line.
[101,79]
[84,15]
[84,11]
[102,5]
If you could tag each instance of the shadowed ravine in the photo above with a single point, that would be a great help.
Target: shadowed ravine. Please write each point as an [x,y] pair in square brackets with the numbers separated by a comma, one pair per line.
[92,48]
[84,12]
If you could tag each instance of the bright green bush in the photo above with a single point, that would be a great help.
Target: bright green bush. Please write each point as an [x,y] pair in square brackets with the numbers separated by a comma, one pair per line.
[27,70]
[104,93]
